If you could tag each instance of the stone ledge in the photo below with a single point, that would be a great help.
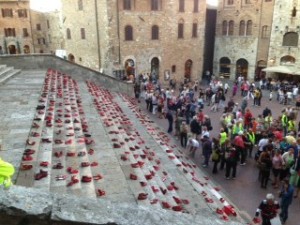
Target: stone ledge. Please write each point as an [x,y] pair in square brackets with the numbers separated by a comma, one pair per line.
[39,207]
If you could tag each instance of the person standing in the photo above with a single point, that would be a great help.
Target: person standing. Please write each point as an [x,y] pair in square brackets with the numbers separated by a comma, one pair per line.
[286,196]
[169,117]
[231,157]
[183,134]
[268,210]
[206,149]
[265,165]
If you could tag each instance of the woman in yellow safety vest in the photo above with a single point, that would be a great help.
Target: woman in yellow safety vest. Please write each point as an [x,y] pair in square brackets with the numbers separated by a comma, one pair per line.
[6,172]
[291,125]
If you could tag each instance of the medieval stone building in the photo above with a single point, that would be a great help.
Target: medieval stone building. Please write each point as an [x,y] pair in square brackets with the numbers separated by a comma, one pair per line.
[162,38]
[243,34]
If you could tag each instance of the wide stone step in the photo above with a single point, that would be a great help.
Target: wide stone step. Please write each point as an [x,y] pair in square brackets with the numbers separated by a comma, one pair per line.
[8,74]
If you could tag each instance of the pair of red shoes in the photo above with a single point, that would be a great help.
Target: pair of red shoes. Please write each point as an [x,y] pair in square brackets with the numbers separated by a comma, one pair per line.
[71,170]
[58,166]
[41,175]
[100,192]
[58,154]
[73,181]
[26,166]
[29,152]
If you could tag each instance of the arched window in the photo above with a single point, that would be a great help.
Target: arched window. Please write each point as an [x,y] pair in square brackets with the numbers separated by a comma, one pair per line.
[80,5]
[287,60]
[196,5]
[249,28]
[242,28]
[195,29]
[225,65]
[265,31]
[180,29]
[155,32]
[290,39]
[231,28]
[128,33]
[181,5]
[68,33]
[224,27]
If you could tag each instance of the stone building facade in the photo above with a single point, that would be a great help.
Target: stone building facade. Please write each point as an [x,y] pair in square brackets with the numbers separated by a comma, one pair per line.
[162,38]
[15,32]
[243,34]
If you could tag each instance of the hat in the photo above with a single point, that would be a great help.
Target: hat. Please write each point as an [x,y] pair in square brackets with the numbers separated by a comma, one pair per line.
[270,196]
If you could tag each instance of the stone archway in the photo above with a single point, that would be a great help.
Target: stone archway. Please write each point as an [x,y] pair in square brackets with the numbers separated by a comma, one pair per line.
[224,68]
[259,74]
[12,49]
[155,68]
[26,49]
[71,57]
[129,67]
[242,68]
[188,69]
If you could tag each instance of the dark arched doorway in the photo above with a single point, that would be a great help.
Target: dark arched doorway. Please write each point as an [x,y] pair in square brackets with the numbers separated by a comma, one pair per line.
[12,49]
[242,68]
[259,74]
[26,49]
[71,58]
[224,69]
[188,69]
[155,68]
[129,69]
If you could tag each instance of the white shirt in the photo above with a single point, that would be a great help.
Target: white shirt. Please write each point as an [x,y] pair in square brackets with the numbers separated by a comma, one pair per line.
[193,142]
[262,143]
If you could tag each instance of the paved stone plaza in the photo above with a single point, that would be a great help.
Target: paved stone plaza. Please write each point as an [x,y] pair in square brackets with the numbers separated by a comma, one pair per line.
[97,144]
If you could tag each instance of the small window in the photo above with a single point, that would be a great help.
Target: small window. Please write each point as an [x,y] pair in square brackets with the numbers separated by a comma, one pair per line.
[25,32]
[195,30]
[49,38]
[230,2]
[80,5]
[294,12]
[128,33]
[68,33]
[181,5]
[265,32]
[173,69]
[268,0]
[38,26]
[224,27]
[242,28]
[82,33]
[231,28]
[196,5]
[290,39]
[247,1]
[7,13]
[249,28]
[180,30]
[44,41]
[127,4]
[22,13]
[48,24]
[155,32]
[155,5]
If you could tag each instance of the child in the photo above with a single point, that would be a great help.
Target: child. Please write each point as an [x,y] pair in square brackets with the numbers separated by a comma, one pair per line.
[271,96]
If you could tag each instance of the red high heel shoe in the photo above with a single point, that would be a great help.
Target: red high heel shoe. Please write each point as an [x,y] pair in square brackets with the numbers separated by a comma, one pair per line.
[133,177]
[41,175]
[85,164]
[142,196]
[86,179]
[26,167]
[93,164]
[91,151]
[100,193]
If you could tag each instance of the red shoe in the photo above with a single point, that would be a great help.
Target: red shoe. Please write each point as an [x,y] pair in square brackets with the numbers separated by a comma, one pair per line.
[100,193]
[58,141]
[68,142]
[91,151]
[156,168]
[93,164]
[174,186]
[97,177]
[169,151]
[209,200]
[28,142]
[154,189]
[256,220]
[71,154]
[124,157]
[73,181]
[27,158]
[85,164]
[35,134]
[143,183]
[89,142]
[142,196]
[44,164]
[29,152]
[58,154]
[115,145]
[170,187]
[133,177]
[80,154]
[86,179]
[40,175]
[71,170]
[26,167]
[185,201]
[166,205]
[58,166]
[219,211]
[70,134]
[177,200]
[177,208]
[154,201]
[148,176]
[46,140]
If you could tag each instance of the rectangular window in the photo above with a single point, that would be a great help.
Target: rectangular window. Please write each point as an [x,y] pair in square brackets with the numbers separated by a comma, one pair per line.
[247,1]
[49,38]
[230,2]
[25,32]
[10,32]
[181,5]
[48,24]
[127,4]
[180,30]
[154,5]
[7,13]
[38,26]
[39,41]
[195,29]
[44,41]
[22,13]
[196,5]
[80,5]
[82,31]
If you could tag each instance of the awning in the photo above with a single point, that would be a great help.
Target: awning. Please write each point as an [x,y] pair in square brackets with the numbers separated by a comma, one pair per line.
[282,69]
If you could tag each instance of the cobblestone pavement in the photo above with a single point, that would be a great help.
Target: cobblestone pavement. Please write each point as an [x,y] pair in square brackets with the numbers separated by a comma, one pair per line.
[245,190]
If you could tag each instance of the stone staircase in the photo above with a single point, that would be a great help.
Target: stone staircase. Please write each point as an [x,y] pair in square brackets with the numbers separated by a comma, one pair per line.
[87,141]
[7,72]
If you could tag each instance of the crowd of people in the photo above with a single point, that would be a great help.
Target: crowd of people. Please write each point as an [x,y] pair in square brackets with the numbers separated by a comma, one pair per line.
[273,142]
